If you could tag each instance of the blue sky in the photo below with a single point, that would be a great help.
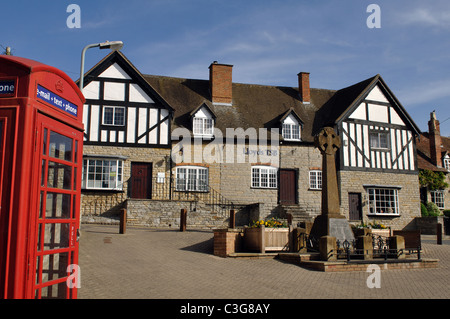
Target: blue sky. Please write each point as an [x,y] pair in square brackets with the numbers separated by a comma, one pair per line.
[267,41]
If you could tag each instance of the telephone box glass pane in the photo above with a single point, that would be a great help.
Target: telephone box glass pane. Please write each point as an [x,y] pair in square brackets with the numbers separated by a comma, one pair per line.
[59,176]
[57,206]
[58,291]
[54,266]
[43,173]
[56,236]
[45,142]
[39,237]
[60,146]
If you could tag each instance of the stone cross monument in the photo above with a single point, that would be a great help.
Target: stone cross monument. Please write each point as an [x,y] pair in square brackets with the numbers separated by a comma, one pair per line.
[328,142]
[331,222]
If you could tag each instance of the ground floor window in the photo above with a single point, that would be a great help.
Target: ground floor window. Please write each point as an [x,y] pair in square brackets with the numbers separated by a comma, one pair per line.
[315,179]
[437,197]
[102,174]
[264,177]
[192,178]
[383,201]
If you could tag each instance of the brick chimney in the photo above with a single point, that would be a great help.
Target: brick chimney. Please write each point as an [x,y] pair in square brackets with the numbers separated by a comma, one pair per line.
[435,140]
[220,81]
[303,87]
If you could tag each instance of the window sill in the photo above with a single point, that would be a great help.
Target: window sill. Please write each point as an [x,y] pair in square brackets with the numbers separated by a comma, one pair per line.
[104,190]
[380,149]
[383,215]
[315,189]
[205,137]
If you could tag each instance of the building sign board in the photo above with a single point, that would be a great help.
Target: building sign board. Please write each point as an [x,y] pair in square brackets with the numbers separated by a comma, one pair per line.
[7,88]
[55,100]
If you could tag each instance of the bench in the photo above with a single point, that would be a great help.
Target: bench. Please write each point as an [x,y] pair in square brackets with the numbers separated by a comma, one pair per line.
[412,240]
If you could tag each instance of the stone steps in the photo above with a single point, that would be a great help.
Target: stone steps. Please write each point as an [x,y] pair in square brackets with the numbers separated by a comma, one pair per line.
[298,213]
[298,258]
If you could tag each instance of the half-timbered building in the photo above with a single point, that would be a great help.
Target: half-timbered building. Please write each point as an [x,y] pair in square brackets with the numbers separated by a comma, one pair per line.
[156,144]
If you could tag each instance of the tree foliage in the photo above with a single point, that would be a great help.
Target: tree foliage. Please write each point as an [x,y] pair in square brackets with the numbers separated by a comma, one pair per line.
[432,180]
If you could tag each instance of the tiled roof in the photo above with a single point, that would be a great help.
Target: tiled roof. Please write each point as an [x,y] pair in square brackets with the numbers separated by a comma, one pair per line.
[423,152]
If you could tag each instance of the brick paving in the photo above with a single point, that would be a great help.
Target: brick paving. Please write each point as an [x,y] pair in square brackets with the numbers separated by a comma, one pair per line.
[148,263]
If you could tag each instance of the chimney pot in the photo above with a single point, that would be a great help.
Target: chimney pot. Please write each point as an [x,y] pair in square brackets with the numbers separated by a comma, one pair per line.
[435,140]
[220,81]
[303,87]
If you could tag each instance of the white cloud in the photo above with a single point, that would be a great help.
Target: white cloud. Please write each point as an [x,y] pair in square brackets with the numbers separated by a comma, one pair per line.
[434,17]
[425,92]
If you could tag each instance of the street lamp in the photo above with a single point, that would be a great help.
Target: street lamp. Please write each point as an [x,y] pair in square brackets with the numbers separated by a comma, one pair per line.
[113,45]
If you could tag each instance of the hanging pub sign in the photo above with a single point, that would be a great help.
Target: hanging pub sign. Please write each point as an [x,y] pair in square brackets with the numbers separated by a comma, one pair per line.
[55,100]
[7,88]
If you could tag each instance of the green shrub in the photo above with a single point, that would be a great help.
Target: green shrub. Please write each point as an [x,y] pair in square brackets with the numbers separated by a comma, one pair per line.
[433,210]
[423,210]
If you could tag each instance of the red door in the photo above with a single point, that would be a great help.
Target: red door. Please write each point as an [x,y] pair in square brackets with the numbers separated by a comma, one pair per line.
[141,180]
[55,223]
[288,189]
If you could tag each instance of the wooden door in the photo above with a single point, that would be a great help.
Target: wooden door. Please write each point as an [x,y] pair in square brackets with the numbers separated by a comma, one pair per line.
[288,187]
[354,204]
[141,180]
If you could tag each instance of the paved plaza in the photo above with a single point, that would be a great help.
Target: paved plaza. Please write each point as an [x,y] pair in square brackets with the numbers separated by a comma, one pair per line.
[147,263]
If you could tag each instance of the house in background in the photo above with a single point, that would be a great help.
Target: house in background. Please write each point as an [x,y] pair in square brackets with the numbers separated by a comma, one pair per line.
[433,153]
[157,144]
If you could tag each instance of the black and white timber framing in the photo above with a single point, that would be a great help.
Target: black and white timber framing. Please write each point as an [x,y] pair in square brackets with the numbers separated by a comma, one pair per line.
[116,83]
[377,112]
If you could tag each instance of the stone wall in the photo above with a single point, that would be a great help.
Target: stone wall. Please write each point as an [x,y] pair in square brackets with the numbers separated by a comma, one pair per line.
[428,225]
[304,158]
[408,196]
[231,178]
[166,214]
[107,203]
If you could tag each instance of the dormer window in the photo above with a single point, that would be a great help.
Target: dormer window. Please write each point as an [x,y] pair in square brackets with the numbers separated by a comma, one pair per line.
[203,126]
[447,162]
[291,132]
[290,128]
[203,122]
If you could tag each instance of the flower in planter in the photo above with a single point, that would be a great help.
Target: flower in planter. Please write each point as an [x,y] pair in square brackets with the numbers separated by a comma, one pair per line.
[378,226]
[271,223]
[362,226]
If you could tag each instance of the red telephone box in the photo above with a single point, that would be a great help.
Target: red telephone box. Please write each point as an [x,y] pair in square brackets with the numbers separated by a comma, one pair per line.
[41,137]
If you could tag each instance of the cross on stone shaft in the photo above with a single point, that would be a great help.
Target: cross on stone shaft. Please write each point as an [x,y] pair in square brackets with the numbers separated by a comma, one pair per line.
[328,142]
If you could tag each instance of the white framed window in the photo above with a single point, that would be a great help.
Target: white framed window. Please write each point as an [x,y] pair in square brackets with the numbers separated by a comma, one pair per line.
[102,174]
[191,178]
[291,132]
[114,115]
[383,201]
[264,177]
[447,163]
[379,140]
[203,126]
[315,179]
[290,128]
[437,197]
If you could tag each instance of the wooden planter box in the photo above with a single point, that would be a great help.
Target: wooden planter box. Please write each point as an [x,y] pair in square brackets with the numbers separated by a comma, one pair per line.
[385,233]
[264,239]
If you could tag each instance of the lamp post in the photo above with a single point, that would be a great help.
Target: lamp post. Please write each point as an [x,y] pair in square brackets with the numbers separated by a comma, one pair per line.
[113,45]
